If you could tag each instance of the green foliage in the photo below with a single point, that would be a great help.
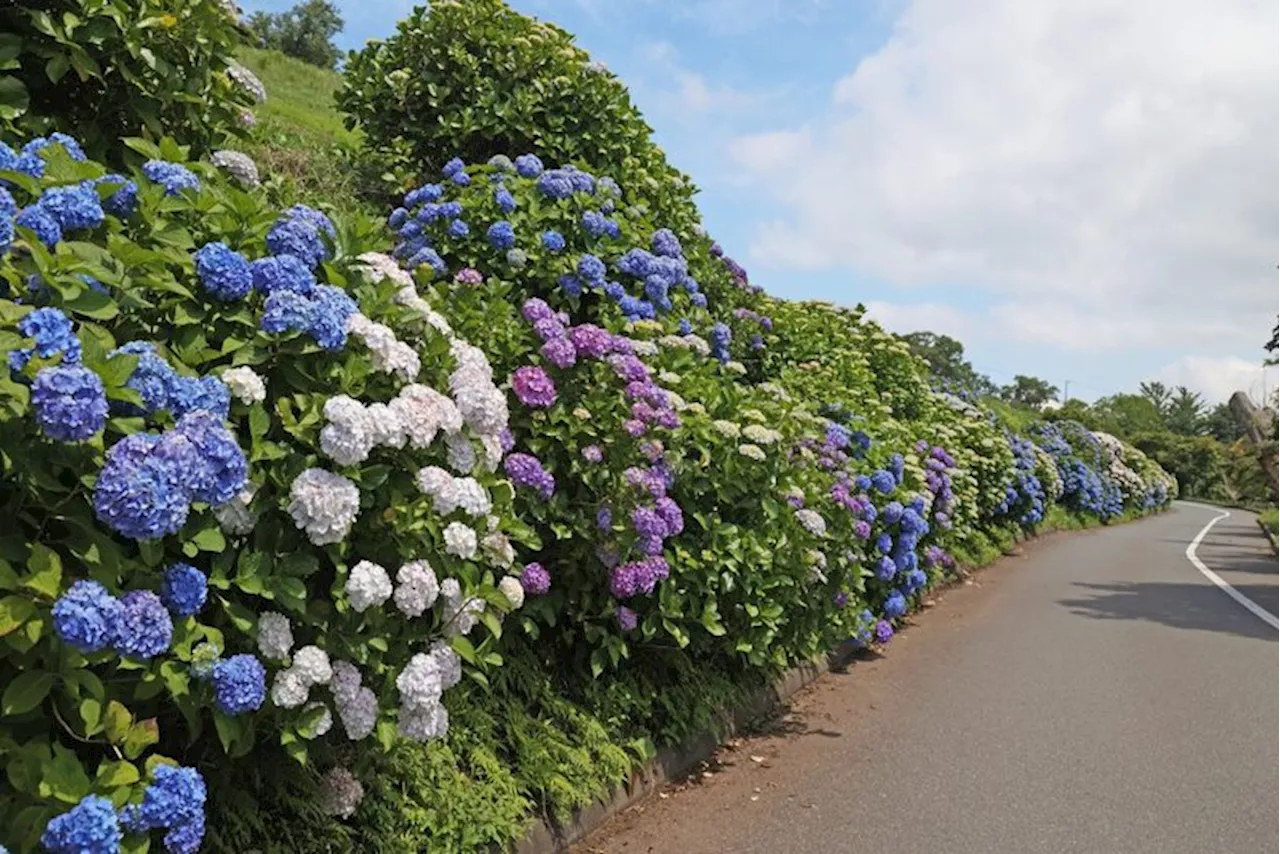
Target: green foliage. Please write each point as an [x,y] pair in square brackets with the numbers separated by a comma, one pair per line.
[106,70]
[304,32]
[475,79]
[1029,391]
[1271,520]
[945,357]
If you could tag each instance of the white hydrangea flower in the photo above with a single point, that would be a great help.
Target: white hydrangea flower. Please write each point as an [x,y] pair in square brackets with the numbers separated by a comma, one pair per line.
[424,412]
[726,428]
[386,429]
[460,615]
[449,663]
[340,793]
[510,587]
[424,723]
[420,683]
[735,368]
[812,522]
[760,434]
[244,384]
[311,663]
[289,690]
[491,522]
[433,480]
[696,408]
[644,348]
[345,682]
[698,344]
[389,355]
[492,446]
[752,452]
[498,550]
[235,517]
[349,436]
[462,454]
[417,588]
[275,636]
[673,342]
[460,540]
[359,715]
[325,723]
[238,166]
[248,81]
[669,378]
[381,267]
[367,585]
[323,504]
[462,492]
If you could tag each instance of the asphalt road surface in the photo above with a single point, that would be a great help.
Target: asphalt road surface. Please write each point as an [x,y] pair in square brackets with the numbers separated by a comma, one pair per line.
[1096,694]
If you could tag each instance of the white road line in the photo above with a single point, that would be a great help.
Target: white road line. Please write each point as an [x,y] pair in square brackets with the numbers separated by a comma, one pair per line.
[1255,609]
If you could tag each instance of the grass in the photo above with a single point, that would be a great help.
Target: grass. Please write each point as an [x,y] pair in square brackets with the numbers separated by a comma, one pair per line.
[1270,519]
[302,148]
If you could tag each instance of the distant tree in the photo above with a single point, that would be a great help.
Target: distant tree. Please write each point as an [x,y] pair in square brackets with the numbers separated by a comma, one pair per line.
[1221,424]
[1184,414]
[1126,415]
[1156,392]
[306,32]
[945,356]
[1029,391]
[1272,345]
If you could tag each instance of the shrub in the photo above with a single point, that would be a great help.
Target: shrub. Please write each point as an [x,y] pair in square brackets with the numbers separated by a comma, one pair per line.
[105,70]
[477,79]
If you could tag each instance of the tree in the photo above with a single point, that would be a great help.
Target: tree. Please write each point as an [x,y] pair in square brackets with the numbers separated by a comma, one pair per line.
[1126,415]
[1222,425]
[1156,392]
[1185,412]
[1272,345]
[1029,391]
[945,356]
[306,32]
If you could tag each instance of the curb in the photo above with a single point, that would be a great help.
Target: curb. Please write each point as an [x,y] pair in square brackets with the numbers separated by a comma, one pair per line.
[547,836]
[1271,538]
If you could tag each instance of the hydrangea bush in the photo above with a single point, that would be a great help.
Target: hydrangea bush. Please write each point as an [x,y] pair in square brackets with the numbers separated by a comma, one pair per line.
[257,487]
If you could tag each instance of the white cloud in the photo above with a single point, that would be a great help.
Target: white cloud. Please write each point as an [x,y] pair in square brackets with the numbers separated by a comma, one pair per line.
[940,318]
[1108,169]
[1217,378]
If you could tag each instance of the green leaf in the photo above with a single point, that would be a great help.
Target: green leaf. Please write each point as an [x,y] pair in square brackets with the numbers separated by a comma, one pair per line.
[465,649]
[91,714]
[14,99]
[63,778]
[25,692]
[117,370]
[141,735]
[210,540]
[14,611]
[113,774]
[46,571]
[118,721]
[93,304]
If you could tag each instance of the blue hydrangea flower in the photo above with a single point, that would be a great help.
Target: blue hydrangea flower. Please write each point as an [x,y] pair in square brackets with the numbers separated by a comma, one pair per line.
[85,617]
[450,209]
[453,167]
[637,262]
[40,221]
[528,166]
[174,177]
[239,684]
[582,182]
[222,456]
[69,144]
[188,394]
[175,797]
[884,544]
[892,512]
[282,272]
[459,228]
[666,243]
[571,285]
[70,402]
[183,589]
[555,184]
[506,202]
[883,481]
[53,335]
[612,229]
[591,268]
[895,605]
[398,217]
[501,235]
[299,237]
[124,201]
[425,193]
[90,827]
[686,328]
[886,569]
[286,311]
[152,378]
[73,207]
[614,291]
[700,300]
[553,241]
[594,223]
[185,838]
[26,163]
[137,496]
[329,319]
[462,179]
[916,579]
[144,629]
[431,258]
[223,272]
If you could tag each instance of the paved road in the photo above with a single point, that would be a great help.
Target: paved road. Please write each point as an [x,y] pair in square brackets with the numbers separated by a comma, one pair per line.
[1096,694]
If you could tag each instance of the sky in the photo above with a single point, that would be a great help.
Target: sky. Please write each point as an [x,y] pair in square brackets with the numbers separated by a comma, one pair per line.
[1081,190]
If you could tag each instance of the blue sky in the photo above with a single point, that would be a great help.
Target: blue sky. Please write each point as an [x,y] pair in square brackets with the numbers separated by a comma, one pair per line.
[1082,192]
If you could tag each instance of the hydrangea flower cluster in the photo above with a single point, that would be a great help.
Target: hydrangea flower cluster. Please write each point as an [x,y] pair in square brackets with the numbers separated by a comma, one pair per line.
[149,482]
[52,334]
[1024,496]
[70,402]
[173,802]
[163,388]
[421,684]
[136,625]
[324,505]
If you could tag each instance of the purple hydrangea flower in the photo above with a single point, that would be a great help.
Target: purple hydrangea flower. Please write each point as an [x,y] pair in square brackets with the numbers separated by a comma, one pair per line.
[535,579]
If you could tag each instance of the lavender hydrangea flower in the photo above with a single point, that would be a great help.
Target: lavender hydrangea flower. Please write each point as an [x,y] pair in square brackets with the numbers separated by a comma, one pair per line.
[70,402]
[627,618]
[535,579]
[527,471]
[533,387]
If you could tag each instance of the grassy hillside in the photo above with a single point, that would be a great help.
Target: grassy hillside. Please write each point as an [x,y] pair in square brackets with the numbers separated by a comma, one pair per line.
[299,138]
